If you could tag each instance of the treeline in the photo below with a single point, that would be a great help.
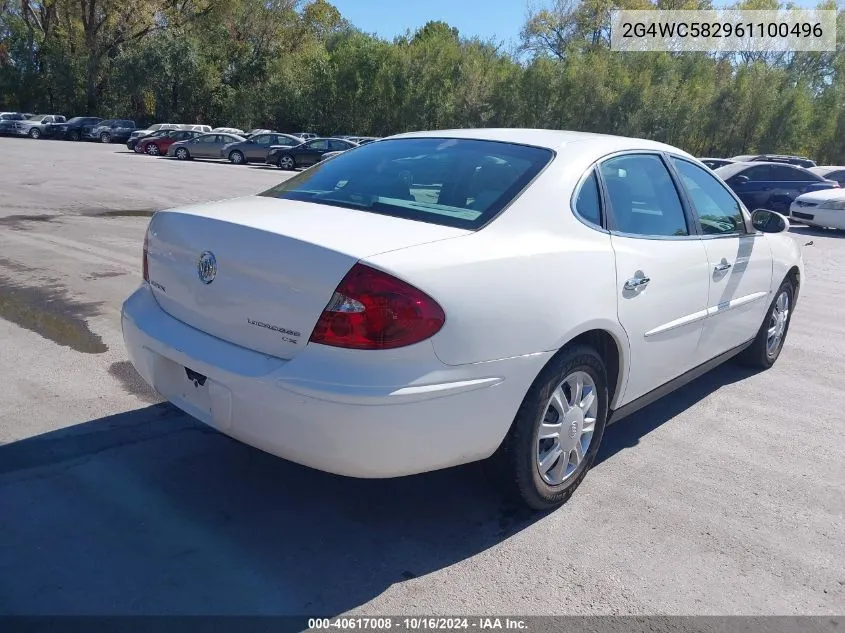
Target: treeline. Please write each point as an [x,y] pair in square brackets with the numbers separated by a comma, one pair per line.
[300,66]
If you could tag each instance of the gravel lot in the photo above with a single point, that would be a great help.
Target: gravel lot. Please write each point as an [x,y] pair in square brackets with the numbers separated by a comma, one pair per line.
[725,498]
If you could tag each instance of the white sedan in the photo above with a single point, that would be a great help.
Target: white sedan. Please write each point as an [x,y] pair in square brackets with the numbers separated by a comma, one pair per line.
[438,298]
[825,209]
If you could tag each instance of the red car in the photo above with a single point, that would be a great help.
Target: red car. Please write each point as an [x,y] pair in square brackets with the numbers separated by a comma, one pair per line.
[157,144]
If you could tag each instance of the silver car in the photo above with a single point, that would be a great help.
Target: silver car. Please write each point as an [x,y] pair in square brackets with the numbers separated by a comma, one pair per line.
[256,148]
[38,125]
[205,146]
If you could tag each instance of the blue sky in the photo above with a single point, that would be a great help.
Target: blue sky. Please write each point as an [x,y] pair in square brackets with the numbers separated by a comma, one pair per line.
[501,19]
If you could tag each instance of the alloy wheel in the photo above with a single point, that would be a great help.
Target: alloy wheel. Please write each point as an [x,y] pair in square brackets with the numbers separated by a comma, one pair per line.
[777,323]
[566,428]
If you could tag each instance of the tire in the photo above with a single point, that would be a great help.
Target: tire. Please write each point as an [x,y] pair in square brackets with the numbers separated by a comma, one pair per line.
[153,150]
[182,154]
[287,162]
[74,135]
[236,158]
[35,133]
[764,351]
[105,137]
[517,464]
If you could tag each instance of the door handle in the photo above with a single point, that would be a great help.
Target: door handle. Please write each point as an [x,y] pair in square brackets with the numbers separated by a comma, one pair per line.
[637,282]
[722,267]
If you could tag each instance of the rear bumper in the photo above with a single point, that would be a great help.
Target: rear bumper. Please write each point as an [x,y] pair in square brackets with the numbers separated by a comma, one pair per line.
[341,411]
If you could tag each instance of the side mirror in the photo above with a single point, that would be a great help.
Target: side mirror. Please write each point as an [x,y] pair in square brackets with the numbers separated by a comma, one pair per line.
[769,221]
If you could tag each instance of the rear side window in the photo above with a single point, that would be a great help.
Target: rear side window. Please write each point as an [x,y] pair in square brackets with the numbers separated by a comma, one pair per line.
[643,197]
[453,182]
[588,204]
[792,174]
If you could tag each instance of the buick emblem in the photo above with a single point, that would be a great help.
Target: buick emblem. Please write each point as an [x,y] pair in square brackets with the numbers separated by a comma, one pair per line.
[207,267]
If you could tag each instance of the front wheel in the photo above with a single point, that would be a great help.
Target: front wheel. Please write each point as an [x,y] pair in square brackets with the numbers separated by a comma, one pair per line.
[557,431]
[35,133]
[768,343]
[74,135]
[182,154]
[287,162]
[105,137]
[153,150]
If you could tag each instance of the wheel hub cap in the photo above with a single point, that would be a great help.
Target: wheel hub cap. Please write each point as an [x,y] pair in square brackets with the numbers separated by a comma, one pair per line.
[566,428]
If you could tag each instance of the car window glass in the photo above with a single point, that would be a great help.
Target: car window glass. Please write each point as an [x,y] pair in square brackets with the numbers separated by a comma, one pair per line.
[211,138]
[452,182]
[588,204]
[321,144]
[643,197]
[759,173]
[791,174]
[718,211]
[838,176]
[263,140]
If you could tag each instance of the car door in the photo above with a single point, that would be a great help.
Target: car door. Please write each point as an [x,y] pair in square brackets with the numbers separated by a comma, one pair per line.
[312,152]
[740,262]
[661,270]
[207,146]
[258,146]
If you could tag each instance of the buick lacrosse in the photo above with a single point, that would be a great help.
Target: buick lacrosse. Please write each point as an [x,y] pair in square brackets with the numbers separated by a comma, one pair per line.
[437,298]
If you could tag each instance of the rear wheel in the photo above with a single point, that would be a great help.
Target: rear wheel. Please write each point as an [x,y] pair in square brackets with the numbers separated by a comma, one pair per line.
[768,343]
[287,162]
[153,150]
[35,133]
[105,137]
[557,431]
[236,158]
[182,154]
[74,135]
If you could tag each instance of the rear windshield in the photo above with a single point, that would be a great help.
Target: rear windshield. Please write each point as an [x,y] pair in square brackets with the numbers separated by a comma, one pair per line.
[462,183]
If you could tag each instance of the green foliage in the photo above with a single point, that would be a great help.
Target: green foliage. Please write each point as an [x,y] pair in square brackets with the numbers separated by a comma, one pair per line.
[297,66]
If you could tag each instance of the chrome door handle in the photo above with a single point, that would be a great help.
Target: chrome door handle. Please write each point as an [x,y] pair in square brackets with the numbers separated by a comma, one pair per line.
[636,282]
[722,267]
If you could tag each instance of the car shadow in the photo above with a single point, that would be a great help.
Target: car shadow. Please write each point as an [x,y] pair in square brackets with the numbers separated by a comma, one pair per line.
[816,232]
[151,512]
[628,431]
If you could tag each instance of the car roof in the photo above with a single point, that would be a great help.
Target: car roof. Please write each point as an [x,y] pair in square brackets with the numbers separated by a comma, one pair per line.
[550,139]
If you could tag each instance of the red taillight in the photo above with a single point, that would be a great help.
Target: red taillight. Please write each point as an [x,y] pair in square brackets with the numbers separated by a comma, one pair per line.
[373,310]
[146,266]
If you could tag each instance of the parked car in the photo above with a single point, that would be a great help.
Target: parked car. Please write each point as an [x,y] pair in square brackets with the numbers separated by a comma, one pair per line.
[136,143]
[824,209]
[76,128]
[252,133]
[202,146]
[229,130]
[38,125]
[715,163]
[139,134]
[157,144]
[420,332]
[800,161]
[771,185]
[307,153]
[831,172]
[8,122]
[256,148]
[305,135]
[112,130]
